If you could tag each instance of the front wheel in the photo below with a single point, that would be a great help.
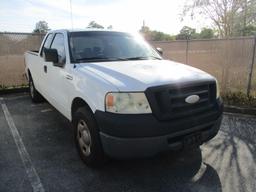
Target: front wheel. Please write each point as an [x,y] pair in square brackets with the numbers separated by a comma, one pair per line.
[87,138]
[36,97]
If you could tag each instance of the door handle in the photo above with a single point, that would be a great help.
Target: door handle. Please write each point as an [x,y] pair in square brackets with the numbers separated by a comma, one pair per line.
[69,77]
[45,68]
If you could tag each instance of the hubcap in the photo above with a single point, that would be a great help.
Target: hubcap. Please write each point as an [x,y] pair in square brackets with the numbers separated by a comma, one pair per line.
[31,89]
[84,137]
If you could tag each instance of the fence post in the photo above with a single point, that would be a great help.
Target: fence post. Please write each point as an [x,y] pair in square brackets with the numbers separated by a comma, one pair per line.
[187,51]
[226,61]
[251,69]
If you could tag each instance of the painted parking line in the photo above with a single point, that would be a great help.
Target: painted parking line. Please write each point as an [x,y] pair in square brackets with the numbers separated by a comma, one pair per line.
[200,173]
[37,105]
[46,110]
[30,170]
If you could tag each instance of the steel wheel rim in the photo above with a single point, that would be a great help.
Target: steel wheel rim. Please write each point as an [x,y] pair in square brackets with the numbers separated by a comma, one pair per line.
[84,137]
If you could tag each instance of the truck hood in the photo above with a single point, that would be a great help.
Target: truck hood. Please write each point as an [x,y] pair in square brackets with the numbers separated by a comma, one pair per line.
[139,75]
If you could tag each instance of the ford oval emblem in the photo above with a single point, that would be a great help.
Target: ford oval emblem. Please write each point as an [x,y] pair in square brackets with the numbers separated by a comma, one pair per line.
[192,99]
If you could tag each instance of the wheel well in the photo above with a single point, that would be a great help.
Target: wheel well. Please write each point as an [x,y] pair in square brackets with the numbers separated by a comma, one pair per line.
[78,102]
[29,74]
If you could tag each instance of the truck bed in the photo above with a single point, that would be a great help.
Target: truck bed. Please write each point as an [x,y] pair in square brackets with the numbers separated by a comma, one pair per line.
[33,52]
[31,58]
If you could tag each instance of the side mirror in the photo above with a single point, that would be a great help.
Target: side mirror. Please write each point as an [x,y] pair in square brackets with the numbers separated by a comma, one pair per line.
[51,55]
[160,50]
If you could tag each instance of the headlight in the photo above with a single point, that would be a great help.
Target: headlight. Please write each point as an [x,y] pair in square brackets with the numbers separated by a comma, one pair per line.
[217,90]
[127,103]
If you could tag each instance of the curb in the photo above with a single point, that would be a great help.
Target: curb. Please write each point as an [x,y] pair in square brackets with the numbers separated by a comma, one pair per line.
[243,110]
[14,90]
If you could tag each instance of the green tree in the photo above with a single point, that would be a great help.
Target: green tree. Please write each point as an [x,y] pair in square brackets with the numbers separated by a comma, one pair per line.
[160,36]
[187,33]
[246,18]
[41,27]
[155,35]
[206,33]
[249,30]
[93,24]
[230,17]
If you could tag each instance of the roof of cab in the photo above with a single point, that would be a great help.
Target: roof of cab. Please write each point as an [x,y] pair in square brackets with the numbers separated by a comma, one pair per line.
[81,30]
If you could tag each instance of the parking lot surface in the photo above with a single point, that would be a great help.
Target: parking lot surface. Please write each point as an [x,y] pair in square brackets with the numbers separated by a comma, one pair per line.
[41,156]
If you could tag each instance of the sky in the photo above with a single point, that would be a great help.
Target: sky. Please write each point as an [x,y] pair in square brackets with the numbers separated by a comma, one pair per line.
[126,15]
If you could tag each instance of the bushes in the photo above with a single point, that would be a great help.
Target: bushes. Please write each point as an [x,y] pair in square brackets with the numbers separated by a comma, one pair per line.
[4,87]
[239,99]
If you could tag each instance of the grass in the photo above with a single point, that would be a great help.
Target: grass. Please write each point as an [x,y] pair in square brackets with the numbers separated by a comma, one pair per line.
[3,87]
[239,99]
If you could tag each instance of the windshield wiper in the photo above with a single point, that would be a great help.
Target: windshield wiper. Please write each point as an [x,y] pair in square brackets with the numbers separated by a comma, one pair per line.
[143,58]
[88,59]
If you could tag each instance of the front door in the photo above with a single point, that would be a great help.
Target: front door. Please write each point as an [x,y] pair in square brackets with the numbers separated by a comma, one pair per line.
[57,81]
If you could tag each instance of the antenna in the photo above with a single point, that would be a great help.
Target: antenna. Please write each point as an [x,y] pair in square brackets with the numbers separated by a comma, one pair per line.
[71,13]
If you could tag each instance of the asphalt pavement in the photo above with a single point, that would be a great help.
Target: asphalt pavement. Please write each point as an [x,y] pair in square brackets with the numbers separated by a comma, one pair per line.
[41,156]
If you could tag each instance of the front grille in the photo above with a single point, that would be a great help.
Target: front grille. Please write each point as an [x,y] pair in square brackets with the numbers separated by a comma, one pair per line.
[168,102]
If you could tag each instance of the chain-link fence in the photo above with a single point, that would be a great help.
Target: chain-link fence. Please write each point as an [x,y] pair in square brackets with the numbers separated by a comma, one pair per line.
[12,48]
[229,60]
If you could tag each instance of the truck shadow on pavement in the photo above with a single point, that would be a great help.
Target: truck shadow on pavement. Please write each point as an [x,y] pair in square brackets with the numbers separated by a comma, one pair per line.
[176,171]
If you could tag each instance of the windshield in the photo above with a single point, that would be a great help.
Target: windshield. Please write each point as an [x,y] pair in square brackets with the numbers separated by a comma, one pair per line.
[109,46]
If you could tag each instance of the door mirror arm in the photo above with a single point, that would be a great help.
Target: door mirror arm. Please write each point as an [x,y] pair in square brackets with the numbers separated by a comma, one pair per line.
[160,50]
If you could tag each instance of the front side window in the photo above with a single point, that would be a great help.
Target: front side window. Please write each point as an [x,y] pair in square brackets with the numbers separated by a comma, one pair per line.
[58,44]
[47,43]
[109,46]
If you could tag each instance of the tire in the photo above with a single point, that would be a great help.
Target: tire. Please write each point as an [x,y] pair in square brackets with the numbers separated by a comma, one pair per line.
[36,97]
[87,138]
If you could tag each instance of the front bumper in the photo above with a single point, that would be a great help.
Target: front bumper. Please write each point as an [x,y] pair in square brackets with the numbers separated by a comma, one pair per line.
[126,136]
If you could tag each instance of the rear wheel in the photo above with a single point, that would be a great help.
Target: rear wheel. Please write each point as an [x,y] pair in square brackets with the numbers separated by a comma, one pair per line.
[87,138]
[36,97]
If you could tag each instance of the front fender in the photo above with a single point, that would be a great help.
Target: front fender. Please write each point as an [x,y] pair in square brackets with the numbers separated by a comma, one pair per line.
[91,88]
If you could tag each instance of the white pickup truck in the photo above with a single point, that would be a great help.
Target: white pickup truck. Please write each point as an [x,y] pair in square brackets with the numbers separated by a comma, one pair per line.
[123,99]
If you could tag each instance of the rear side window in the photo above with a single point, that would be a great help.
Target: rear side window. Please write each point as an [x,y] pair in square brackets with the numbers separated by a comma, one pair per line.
[58,43]
[47,43]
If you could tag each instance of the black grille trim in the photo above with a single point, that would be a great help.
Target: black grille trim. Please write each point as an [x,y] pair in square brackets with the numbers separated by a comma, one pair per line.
[168,101]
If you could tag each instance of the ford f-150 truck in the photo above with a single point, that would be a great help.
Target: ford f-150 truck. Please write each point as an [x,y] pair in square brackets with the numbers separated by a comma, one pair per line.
[123,99]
